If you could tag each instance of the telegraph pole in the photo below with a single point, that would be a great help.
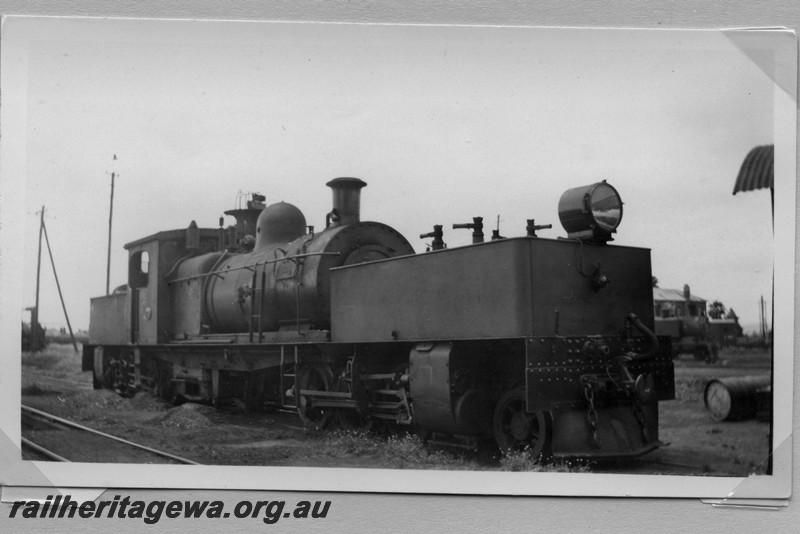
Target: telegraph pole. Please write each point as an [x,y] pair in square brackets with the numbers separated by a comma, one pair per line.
[35,345]
[110,218]
[58,286]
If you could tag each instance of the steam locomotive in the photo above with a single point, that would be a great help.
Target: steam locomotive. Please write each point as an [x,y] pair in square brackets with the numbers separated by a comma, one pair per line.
[542,345]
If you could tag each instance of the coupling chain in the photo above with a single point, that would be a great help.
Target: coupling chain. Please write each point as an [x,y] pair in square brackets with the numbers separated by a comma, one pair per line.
[591,414]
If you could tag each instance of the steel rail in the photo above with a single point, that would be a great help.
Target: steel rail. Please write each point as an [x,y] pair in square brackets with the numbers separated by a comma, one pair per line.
[41,450]
[72,424]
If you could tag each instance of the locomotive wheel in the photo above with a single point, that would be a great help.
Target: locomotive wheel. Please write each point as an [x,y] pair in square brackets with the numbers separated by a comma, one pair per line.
[516,430]
[162,386]
[348,418]
[115,376]
[317,377]
[156,378]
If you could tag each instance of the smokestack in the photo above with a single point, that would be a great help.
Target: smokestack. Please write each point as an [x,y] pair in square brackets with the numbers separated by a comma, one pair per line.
[686,293]
[346,201]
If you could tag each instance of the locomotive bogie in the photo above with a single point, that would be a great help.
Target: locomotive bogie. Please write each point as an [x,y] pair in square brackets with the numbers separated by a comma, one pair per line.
[452,392]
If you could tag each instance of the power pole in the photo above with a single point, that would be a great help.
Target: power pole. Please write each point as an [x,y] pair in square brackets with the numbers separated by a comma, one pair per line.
[110,218]
[35,341]
[58,286]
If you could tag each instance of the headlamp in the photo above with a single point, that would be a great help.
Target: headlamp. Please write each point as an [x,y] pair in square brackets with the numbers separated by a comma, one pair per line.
[591,212]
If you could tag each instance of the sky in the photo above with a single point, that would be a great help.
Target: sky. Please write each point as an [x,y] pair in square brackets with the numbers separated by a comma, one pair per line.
[443,123]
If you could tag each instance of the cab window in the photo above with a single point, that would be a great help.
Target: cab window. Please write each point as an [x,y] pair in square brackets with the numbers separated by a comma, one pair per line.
[139,269]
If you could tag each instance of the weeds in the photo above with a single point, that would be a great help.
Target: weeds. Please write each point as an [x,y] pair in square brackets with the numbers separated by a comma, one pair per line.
[690,390]
[407,451]
[397,451]
[55,361]
[522,461]
[343,443]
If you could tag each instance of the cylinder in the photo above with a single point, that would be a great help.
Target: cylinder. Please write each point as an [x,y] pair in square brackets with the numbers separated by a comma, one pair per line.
[346,199]
[735,398]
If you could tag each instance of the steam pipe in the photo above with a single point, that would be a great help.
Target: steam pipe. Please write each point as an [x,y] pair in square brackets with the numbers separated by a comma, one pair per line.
[633,319]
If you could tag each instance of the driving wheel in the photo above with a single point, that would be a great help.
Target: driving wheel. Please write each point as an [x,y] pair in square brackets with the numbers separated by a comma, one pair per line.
[516,430]
[314,377]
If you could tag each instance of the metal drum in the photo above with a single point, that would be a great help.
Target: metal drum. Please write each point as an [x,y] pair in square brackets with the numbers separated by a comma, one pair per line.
[735,398]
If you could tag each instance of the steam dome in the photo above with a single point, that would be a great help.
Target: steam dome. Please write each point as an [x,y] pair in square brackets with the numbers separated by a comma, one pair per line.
[279,223]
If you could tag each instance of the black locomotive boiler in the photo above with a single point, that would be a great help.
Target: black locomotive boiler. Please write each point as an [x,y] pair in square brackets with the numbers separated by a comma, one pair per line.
[544,345]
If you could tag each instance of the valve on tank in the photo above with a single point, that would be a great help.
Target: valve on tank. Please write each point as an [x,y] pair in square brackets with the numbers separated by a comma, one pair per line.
[437,235]
[532,227]
[477,229]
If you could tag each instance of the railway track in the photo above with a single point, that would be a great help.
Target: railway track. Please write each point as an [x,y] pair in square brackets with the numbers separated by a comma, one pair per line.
[46,431]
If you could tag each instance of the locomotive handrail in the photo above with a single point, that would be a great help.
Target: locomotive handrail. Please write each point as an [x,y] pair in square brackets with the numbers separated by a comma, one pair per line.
[252,266]
[218,262]
[177,263]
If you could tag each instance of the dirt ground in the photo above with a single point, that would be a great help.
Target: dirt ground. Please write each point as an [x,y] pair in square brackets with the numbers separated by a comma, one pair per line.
[697,443]
[52,381]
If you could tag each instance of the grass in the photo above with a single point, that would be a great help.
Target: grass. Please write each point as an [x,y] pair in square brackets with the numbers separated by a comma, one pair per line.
[36,390]
[54,360]
[397,451]
[407,451]
[690,389]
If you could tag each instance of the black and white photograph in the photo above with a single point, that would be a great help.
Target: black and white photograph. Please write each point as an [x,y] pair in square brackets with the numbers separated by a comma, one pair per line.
[398,258]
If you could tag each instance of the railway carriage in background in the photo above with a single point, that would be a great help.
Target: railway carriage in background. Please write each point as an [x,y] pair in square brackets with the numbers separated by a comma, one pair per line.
[682,317]
[544,345]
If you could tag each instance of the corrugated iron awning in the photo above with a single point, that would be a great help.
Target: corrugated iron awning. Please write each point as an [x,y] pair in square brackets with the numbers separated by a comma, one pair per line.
[757,170]
[673,295]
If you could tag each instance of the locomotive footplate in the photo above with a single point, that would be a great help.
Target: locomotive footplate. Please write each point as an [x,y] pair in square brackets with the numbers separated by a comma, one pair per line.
[602,392]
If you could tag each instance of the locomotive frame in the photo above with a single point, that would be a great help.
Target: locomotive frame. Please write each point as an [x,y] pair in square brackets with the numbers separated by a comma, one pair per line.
[522,342]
